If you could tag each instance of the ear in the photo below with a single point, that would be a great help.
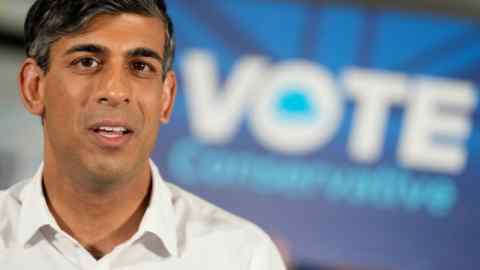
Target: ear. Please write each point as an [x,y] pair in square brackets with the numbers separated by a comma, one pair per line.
[168,96]
[31,88]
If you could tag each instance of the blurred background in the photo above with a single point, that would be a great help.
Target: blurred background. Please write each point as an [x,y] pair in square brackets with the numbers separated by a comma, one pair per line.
[349,130]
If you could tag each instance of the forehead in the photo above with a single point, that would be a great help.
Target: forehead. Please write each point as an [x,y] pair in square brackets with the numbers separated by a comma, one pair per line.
[118,33]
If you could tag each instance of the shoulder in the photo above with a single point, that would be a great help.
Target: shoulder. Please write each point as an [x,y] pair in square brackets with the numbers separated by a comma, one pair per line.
[10,198]
[12,194]
[203,224]
[201,216]
[10,204]
[3,198]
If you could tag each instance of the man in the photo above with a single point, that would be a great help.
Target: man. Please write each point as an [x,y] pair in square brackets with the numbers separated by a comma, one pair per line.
[99,75]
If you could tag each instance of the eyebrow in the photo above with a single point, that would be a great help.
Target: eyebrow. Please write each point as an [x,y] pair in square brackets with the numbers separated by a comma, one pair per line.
[92,48]
[99,49]
[144,52]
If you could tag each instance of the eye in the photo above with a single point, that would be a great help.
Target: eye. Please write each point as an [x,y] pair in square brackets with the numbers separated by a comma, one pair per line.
[141,67]
[86,63]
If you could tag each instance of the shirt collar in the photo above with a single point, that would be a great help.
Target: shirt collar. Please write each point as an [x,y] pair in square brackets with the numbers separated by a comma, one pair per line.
[159,218]
[34,212]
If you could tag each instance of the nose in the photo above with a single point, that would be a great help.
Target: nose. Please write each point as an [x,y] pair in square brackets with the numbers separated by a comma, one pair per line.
[114,89]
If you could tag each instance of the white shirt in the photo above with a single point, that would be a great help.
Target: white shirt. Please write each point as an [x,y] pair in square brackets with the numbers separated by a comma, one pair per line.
[179,231]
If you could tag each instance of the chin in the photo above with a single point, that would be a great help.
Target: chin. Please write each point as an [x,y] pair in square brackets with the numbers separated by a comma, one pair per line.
[108,170]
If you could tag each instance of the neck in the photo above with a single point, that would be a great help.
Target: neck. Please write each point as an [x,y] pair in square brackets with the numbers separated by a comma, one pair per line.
[98,218]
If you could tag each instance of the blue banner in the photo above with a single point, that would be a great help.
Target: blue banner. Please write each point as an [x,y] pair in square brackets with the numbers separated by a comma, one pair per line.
[351,134]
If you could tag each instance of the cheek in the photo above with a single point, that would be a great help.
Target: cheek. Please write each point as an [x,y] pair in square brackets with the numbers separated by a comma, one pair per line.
[152,113]
[63,100]
[150,99]
[56,99]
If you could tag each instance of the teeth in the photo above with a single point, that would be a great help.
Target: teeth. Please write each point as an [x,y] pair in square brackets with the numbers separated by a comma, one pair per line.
[113,129]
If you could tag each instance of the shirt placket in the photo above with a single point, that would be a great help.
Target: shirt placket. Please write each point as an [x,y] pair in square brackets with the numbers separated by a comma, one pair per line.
[74,252]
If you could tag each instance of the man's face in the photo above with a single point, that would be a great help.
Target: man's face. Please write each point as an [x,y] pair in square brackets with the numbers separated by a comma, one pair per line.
[105,97]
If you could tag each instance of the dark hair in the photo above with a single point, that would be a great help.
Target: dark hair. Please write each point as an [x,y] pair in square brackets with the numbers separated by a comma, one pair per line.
[49,20]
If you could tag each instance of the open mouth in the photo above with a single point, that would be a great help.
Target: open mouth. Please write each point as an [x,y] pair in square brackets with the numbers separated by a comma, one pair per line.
[112,132]
[112,136]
